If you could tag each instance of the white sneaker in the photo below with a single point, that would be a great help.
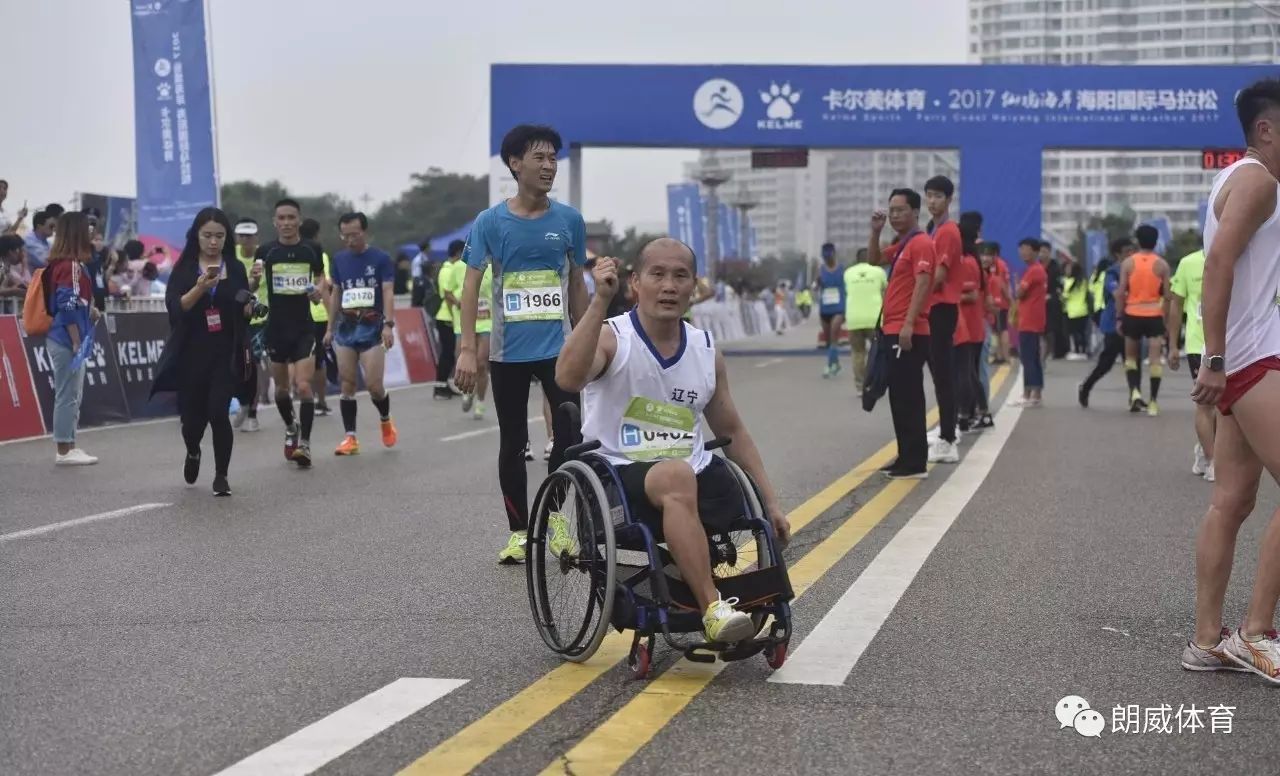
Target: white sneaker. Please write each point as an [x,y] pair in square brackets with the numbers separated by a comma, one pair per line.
[943,451]
[240,416]
[75,457]
[251,424]
[1261,657]
[1199,464]
[1208,472]
[935,434]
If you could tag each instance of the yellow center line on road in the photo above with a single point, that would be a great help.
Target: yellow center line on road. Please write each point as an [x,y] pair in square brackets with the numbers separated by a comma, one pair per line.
[480,740]
[607,748]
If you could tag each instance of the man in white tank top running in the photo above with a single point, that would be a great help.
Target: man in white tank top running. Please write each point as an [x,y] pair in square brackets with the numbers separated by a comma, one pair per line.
[1240,373]
[647,380]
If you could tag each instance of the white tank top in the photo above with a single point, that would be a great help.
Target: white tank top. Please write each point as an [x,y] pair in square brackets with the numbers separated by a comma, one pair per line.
[1253,318]
[646,408]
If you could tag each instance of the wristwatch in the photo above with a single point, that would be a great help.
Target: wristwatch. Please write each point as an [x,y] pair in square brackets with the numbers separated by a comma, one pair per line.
[1215,363]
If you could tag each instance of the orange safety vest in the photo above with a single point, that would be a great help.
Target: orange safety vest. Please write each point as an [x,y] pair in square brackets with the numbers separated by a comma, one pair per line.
[1145,288]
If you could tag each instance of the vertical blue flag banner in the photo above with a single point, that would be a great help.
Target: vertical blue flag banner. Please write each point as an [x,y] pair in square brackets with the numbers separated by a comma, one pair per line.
[730,234]
[1095,246]
[685,220]
[173,120]
[753,248]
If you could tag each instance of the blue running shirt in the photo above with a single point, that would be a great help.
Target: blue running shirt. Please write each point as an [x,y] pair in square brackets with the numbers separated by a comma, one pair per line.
[831,295]
[531,261]
[358,278]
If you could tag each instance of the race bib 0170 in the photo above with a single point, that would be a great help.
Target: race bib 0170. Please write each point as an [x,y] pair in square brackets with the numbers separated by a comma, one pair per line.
[830,296]
[357,298]
[532,296]
[654,430]
[290,278]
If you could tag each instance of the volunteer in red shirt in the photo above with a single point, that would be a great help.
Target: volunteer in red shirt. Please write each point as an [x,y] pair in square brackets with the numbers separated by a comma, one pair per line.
[971,331]
[944,301]
[1239,374]
[1033,296]
[1001,287]
[905,326]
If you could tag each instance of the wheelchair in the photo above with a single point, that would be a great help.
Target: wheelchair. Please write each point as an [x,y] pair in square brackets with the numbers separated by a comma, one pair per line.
[616,574]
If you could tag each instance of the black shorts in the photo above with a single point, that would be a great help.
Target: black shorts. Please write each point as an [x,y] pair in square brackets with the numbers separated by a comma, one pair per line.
[1193,363]
[290,347]
[1002,321]
[321,328]
[719,498]
[1143,327]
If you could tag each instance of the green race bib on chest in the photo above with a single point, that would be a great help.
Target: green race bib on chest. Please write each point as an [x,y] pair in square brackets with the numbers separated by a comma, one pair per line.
[532,296]
[654,430]
[291,278]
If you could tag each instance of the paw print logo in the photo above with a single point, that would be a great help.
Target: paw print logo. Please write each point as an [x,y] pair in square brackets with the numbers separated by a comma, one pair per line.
[780,100]
[164,91]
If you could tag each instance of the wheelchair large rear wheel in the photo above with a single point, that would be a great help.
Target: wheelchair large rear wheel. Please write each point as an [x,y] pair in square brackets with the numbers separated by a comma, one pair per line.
[744,549]
[572,571]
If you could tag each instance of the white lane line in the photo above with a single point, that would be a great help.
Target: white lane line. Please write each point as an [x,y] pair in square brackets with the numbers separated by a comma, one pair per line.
[479,431]
[44,529]
[829,653]
[769,362]
[345,729]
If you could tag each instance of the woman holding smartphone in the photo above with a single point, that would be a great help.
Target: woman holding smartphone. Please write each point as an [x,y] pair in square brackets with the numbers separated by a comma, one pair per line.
[206,355]
[70,292]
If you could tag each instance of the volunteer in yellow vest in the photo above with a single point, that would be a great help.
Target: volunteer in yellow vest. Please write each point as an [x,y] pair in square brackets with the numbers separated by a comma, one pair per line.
[474,402]
[1185,298]
[310,231]
[1075,303]
[254,389]
[448,320]
[804,302]
[864,286]
[1144,281]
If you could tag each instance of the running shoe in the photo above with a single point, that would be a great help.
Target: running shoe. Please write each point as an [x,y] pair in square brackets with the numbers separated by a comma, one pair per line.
[1262,657]
[251,425]
[1136,404]
[890,466]
[943,451]
[898,473]
[561,542]
[220,486]
[239,418]
[1153,409]
[546,451]
[478,412]
[514,551]
[74,457]
[986,421]
[290,441]
[1195,658]
[468,400]
[191,468]
[835,369]
[348,446]
[322,409]
[1208,473]
[826,372]
[725,624]
[389,434]
[528,453]
[1199,464]
[302,455]
[1082,395]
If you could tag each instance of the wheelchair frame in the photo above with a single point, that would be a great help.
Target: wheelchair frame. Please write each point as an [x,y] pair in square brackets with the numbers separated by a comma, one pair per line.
[604,515]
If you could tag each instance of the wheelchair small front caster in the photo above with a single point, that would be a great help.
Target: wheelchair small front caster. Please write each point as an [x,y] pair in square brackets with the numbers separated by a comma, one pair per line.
[775,655]
[639,660]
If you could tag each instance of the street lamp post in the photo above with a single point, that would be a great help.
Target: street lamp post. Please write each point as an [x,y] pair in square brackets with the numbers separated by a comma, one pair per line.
[712,176]
[743,201]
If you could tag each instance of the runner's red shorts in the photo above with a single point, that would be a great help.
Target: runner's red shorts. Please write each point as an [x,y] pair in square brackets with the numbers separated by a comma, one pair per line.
[1240,383]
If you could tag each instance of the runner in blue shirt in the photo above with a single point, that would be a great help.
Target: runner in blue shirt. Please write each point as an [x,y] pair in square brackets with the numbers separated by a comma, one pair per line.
[831,304]
[538,249]
[361,323]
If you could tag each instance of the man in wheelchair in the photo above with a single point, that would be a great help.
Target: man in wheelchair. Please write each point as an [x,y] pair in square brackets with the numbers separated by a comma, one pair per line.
[647,380]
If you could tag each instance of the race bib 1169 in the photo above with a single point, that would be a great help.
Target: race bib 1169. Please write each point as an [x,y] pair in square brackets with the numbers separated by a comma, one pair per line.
[290,278]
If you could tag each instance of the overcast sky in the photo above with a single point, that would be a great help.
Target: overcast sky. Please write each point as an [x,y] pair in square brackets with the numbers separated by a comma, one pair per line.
[351,97]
